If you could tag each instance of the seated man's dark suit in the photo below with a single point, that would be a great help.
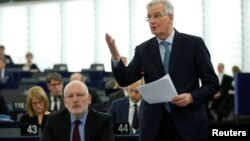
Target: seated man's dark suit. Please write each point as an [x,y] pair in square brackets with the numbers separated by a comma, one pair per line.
[7,77]
[226,85]
[225,103]
[98,127]
[120,110]
[9,62]
[3,106]
[62,107]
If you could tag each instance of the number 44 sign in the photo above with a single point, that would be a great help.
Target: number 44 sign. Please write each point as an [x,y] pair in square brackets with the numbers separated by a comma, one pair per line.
[121,128]
[29,129]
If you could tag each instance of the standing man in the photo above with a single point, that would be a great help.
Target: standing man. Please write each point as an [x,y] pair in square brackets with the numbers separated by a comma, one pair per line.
[187,60]
[78,122]
[55,85]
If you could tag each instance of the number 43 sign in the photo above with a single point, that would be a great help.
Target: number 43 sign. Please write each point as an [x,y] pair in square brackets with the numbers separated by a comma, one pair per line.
[29,129]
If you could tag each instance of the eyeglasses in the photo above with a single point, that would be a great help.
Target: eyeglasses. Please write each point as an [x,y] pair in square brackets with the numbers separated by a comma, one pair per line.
[37,103]
[56,84]
[77,95]
[156,16]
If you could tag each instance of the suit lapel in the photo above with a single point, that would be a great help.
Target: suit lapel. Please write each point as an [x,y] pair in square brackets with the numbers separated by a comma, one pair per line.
[89,125]
[126,109]
[66,130]
[176,50]
[156,56]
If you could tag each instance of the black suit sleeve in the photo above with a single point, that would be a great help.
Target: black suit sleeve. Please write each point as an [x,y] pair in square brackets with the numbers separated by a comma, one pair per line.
[3,106]
[47,134]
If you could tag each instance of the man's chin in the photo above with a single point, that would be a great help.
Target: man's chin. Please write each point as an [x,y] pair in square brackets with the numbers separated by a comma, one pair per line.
[76,111]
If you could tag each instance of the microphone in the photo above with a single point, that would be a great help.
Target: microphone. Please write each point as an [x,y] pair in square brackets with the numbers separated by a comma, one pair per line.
[142,75]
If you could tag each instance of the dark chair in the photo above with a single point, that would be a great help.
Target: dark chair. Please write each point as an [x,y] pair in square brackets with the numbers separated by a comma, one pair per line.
[97,67]
[60,67]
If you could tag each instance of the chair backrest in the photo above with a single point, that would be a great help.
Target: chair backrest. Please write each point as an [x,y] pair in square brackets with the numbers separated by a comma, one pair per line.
[60,67]
[14,98]
[97,67]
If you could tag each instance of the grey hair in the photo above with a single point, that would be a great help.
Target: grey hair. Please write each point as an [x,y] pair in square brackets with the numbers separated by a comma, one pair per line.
[168,7]
[75,82]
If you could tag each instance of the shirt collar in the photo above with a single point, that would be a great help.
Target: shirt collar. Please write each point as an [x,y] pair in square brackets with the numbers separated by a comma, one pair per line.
[131,103]
[82,119]
[169,39]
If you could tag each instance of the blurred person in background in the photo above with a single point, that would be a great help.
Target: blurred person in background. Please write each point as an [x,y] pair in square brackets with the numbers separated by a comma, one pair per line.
[55,85]
[29,65]
[5,76]
[9,61]
[227,104]
[225,85]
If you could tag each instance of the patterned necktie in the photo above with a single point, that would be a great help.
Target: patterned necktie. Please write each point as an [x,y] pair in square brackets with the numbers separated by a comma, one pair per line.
[76,134]
[166,66]
[135,122]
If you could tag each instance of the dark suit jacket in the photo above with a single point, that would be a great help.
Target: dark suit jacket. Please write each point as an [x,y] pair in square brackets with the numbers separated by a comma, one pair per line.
[3,106]
[119,110]
[9,62]
[189,63]
[226,85]
[98,127]
[8,77]
[62,107]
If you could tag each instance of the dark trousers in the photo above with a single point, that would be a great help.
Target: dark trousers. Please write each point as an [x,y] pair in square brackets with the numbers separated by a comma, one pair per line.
[168,130]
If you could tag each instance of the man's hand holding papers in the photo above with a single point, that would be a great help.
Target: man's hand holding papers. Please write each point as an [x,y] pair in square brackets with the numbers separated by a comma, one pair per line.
[159,91]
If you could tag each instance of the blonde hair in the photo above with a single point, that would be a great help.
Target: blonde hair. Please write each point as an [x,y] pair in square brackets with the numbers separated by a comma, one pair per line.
[38,93]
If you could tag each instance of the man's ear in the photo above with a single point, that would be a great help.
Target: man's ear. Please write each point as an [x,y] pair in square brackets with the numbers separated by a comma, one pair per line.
[90,98]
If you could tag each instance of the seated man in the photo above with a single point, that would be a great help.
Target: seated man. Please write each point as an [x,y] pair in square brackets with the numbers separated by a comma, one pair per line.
[5,76]
[55,86]
[126,109]
[9,61]
[78,121]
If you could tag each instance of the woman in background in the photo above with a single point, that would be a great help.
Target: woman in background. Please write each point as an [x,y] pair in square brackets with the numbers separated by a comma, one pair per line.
[37,107]
[29,65]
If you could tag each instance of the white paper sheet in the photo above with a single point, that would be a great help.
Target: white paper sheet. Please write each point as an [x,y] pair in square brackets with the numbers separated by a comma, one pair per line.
[159,91]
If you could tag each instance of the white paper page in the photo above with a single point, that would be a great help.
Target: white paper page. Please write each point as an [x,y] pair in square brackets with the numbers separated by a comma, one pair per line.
[159,91]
